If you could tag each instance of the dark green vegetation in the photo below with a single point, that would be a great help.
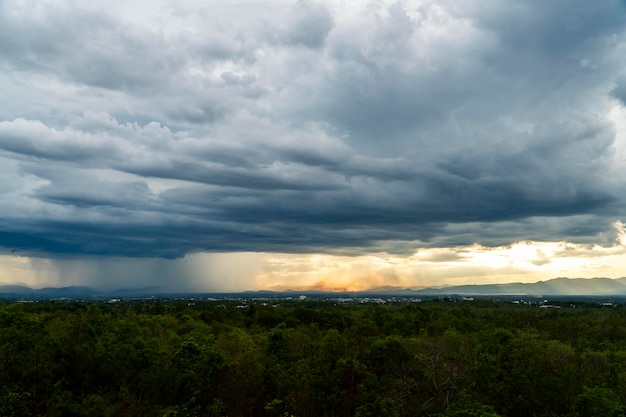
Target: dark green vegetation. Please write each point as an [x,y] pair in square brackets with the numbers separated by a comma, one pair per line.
[312,358]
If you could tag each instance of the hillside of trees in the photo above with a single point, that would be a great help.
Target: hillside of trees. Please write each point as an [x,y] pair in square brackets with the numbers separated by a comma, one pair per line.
[313,358]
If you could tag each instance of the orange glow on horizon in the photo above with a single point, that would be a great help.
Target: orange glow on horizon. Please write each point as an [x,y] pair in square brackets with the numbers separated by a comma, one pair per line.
[525,261]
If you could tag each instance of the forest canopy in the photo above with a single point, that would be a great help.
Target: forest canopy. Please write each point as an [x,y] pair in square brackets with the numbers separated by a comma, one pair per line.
[311,358]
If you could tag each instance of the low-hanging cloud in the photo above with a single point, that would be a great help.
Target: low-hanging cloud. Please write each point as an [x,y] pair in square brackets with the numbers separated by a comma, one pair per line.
[312,127]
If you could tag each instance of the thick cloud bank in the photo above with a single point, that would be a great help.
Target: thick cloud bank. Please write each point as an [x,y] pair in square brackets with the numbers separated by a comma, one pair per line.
[157,129]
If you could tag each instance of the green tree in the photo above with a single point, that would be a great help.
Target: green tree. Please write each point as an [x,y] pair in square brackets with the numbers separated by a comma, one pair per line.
[466,407]
[596,402]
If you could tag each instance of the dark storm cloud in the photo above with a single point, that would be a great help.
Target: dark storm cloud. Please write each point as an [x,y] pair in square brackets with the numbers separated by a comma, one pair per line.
[322,128]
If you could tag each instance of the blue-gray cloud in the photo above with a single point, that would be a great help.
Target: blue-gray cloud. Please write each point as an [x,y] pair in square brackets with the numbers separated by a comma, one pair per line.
[316,127]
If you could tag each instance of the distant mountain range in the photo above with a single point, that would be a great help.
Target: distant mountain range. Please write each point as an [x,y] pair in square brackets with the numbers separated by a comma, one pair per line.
[556,286]
[72,291]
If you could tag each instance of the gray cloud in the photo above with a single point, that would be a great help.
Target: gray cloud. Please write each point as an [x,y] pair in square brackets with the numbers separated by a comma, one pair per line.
[325,128]
[310,25]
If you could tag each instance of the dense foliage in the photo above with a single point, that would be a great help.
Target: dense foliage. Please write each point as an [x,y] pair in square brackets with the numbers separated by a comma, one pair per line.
[313,358]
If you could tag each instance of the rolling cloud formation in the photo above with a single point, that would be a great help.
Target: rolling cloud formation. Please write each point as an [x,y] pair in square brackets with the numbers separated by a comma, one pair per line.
[158,129]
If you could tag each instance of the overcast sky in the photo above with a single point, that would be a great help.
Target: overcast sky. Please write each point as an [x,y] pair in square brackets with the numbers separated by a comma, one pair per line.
[139,137]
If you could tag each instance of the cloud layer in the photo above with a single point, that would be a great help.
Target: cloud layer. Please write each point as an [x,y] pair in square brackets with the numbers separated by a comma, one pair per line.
[162,129]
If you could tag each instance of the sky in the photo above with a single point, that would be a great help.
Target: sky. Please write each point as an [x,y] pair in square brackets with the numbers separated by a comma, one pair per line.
[252,144]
